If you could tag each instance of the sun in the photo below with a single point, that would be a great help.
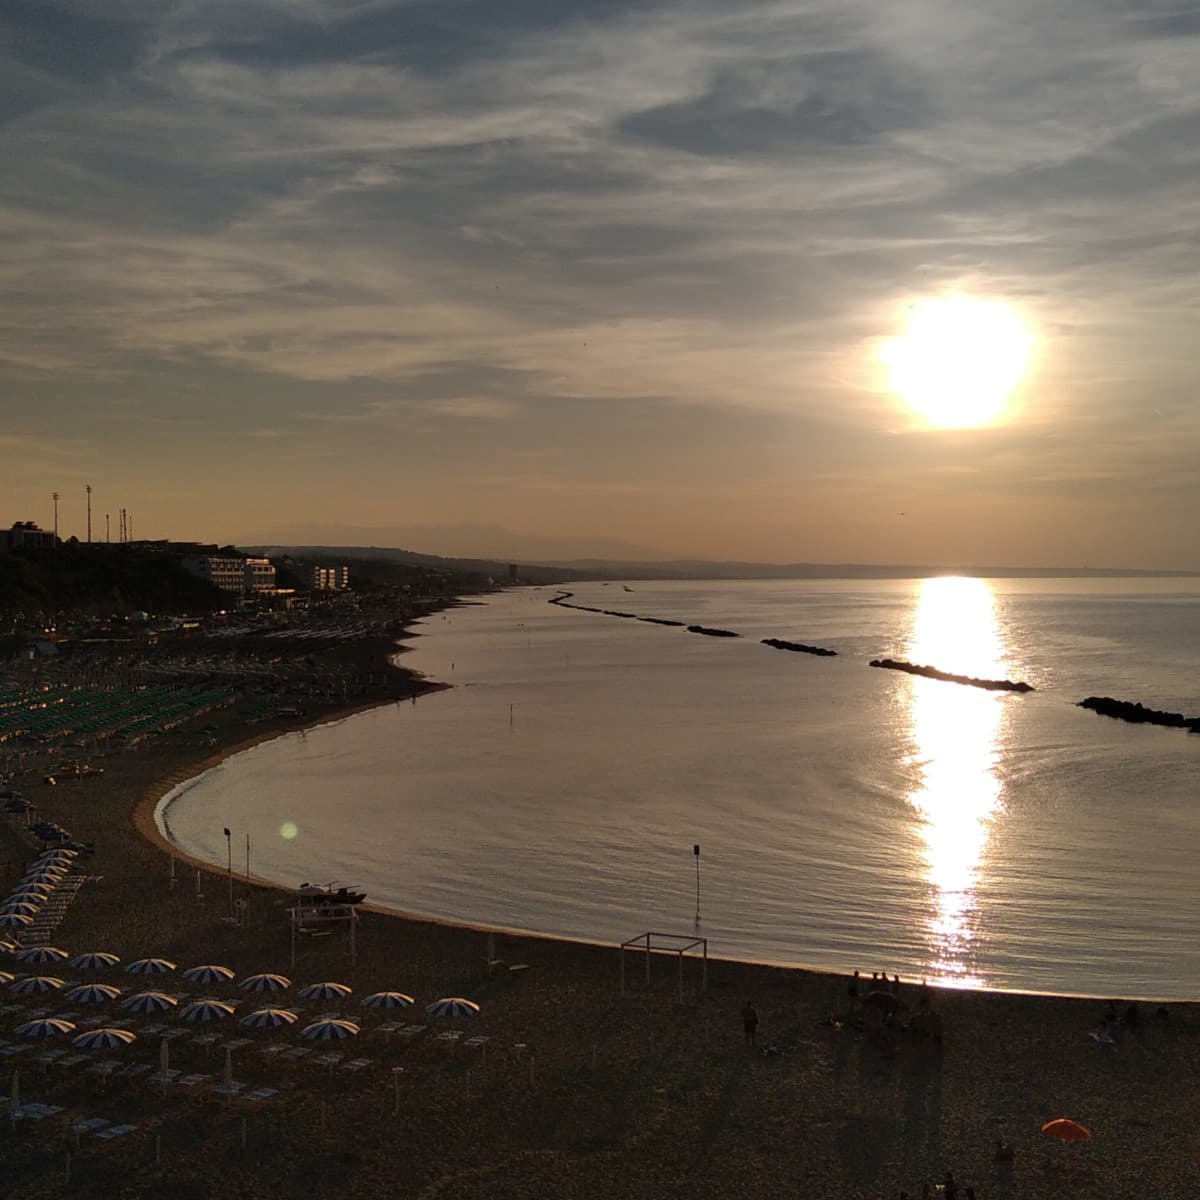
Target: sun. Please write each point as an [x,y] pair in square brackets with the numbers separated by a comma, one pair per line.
[959,360]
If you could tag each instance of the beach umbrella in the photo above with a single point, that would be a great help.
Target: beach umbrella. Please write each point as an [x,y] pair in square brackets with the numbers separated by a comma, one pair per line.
[265,982]
[15,920]
[59,852]
[7,947]
[37,983]
[324,991]
[269,1018]
[42,954]
[148,1002]
[32,889]
[26,895]
[96,960]
[26,907]
[1066,1130]
[208,974]
[150,966]
[6,977]
[452,1006]
[92,993]
[47,873]
[44,1028]
[387,1000]
[205,1010]
[329,1030]
[104,1039]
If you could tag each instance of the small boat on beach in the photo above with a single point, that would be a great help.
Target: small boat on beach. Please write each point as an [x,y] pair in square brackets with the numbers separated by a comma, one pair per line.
[315,894]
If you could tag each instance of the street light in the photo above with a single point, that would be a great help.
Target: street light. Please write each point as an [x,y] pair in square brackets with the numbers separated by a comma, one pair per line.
[229,850]
[696,852]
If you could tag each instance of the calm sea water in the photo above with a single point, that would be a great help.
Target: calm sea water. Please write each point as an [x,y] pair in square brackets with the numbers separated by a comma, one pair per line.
[847,817]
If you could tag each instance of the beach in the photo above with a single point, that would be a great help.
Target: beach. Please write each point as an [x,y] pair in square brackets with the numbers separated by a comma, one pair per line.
[579,1090]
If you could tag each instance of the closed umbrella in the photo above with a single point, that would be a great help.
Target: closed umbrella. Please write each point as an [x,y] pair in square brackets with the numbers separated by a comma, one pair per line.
[42,954]
[208,974]
[324,991]
[37,983]
[387,1000]
[265,982]
[150,966]
[97,960]
[452,1006]
[92,993]
[269,1018]
[104,1039]
[329,1031]
[205,1010]
[44,1028]
[148,1002]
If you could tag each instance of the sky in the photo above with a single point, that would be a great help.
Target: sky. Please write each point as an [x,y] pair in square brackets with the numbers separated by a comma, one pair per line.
[595,271]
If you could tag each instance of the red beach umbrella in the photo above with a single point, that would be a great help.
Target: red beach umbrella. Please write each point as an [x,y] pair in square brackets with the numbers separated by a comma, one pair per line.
[1066,1130]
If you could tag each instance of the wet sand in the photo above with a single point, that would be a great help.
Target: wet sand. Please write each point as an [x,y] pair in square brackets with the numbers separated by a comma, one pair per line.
[581,1091]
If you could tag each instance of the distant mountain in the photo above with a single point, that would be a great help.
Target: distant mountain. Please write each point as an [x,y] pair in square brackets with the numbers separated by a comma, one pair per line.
[479,542]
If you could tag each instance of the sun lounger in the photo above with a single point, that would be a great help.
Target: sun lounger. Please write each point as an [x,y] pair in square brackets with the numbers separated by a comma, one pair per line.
[327,1060]
[412,1031]
[450,1037]
[37,1111]
[15,1048]
[228,1089]
[115,1131]
[356,1064]
[262,1093]
[191,1081]
[206,1039]
[164,1077]
[133,1070]
[273,1049]
[237,1043]
[296,1053]
[389,1028]
[90,1125]
[477,1042]
[104,1068]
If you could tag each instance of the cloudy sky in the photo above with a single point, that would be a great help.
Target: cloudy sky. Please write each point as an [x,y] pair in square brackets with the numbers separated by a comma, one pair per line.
[603,270]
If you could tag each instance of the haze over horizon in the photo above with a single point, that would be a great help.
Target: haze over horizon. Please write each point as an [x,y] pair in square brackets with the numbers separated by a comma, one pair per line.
[606,272]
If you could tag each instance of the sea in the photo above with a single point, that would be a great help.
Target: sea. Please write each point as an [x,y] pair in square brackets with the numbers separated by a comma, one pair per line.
[593,777]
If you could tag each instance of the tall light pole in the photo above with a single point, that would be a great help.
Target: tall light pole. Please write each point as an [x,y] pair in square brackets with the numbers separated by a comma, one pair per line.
[229,848]
[107,530]
[55,496]
[696,852]
[89,502]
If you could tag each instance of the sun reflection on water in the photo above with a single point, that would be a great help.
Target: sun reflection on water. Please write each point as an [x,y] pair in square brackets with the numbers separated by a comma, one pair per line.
[955,730]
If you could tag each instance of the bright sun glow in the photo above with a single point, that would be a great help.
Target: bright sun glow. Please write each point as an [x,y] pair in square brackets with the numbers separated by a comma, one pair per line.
[959,360]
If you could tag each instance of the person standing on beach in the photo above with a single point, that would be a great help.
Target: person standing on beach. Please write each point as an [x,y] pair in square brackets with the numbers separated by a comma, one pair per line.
[750,1023]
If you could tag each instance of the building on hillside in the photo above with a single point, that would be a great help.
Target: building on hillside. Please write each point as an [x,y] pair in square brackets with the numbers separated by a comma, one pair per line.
[25,535]
[259,575]
[226,572]
[330,579]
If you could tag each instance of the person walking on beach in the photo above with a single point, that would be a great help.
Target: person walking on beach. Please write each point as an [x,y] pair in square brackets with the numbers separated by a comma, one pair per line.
[750,1023]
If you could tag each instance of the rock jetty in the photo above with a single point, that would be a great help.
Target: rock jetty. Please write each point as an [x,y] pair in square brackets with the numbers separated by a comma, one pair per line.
[798,647]
[991,685]
[1139,714]
[712,632]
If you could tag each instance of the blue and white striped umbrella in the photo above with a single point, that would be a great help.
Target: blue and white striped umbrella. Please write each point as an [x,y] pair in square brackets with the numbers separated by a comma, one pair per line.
[104,1039]
[32,889]
[44,1027]
[324,991]
[14,920]
[150,966]
[29,908]
[37,983]
[46,873]
[208,974]
[387,1000]
[6,977]
[329,1031]
[265,982]
[42,954]
[97,960]
[58,852]
[269,1018]
[25,896]
[148,1002]
[7,947]
[92,993]
[205,1010]
[452,1006]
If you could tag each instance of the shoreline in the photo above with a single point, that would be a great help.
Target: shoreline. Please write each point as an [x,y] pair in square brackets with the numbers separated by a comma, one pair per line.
[585,1092]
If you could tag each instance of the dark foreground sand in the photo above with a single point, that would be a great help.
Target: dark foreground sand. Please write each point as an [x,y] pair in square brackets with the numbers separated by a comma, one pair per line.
[582,1092]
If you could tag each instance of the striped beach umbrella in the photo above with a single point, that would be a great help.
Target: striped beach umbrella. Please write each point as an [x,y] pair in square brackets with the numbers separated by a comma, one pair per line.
[452,1006]
[208,974]
[92,993]
[205,1010]
[387,1000]
[265,982]
[7,947]
[6,977]
[329,1031]
[15,920]
[36,983]
[96,960]
[269,1018]
[59,852]
[104,1039]
[42,954]
[150,966]
[28,908]
[32,889]
[45,1027]
[148,1002]
[324,991]
[46,873]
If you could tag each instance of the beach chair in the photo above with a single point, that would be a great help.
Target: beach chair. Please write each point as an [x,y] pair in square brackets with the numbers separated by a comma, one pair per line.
[89,1125]
[228,1090]
[354,1065]
[260,1094]
[164,1077]
[112,1132]
[192,1081]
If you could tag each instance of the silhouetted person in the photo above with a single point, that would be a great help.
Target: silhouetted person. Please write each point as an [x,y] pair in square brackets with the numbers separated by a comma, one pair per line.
[750,1023]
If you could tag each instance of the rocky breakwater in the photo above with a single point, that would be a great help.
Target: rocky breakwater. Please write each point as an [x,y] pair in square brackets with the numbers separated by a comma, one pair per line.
[1139,714]
[798,647]
[712,632]
[991,685]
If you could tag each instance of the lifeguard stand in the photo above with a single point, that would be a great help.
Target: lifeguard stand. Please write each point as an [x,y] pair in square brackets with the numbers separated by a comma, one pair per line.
[311,916]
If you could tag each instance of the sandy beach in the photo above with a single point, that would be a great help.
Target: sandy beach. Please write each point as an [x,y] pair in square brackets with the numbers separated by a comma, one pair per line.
[579,1090]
